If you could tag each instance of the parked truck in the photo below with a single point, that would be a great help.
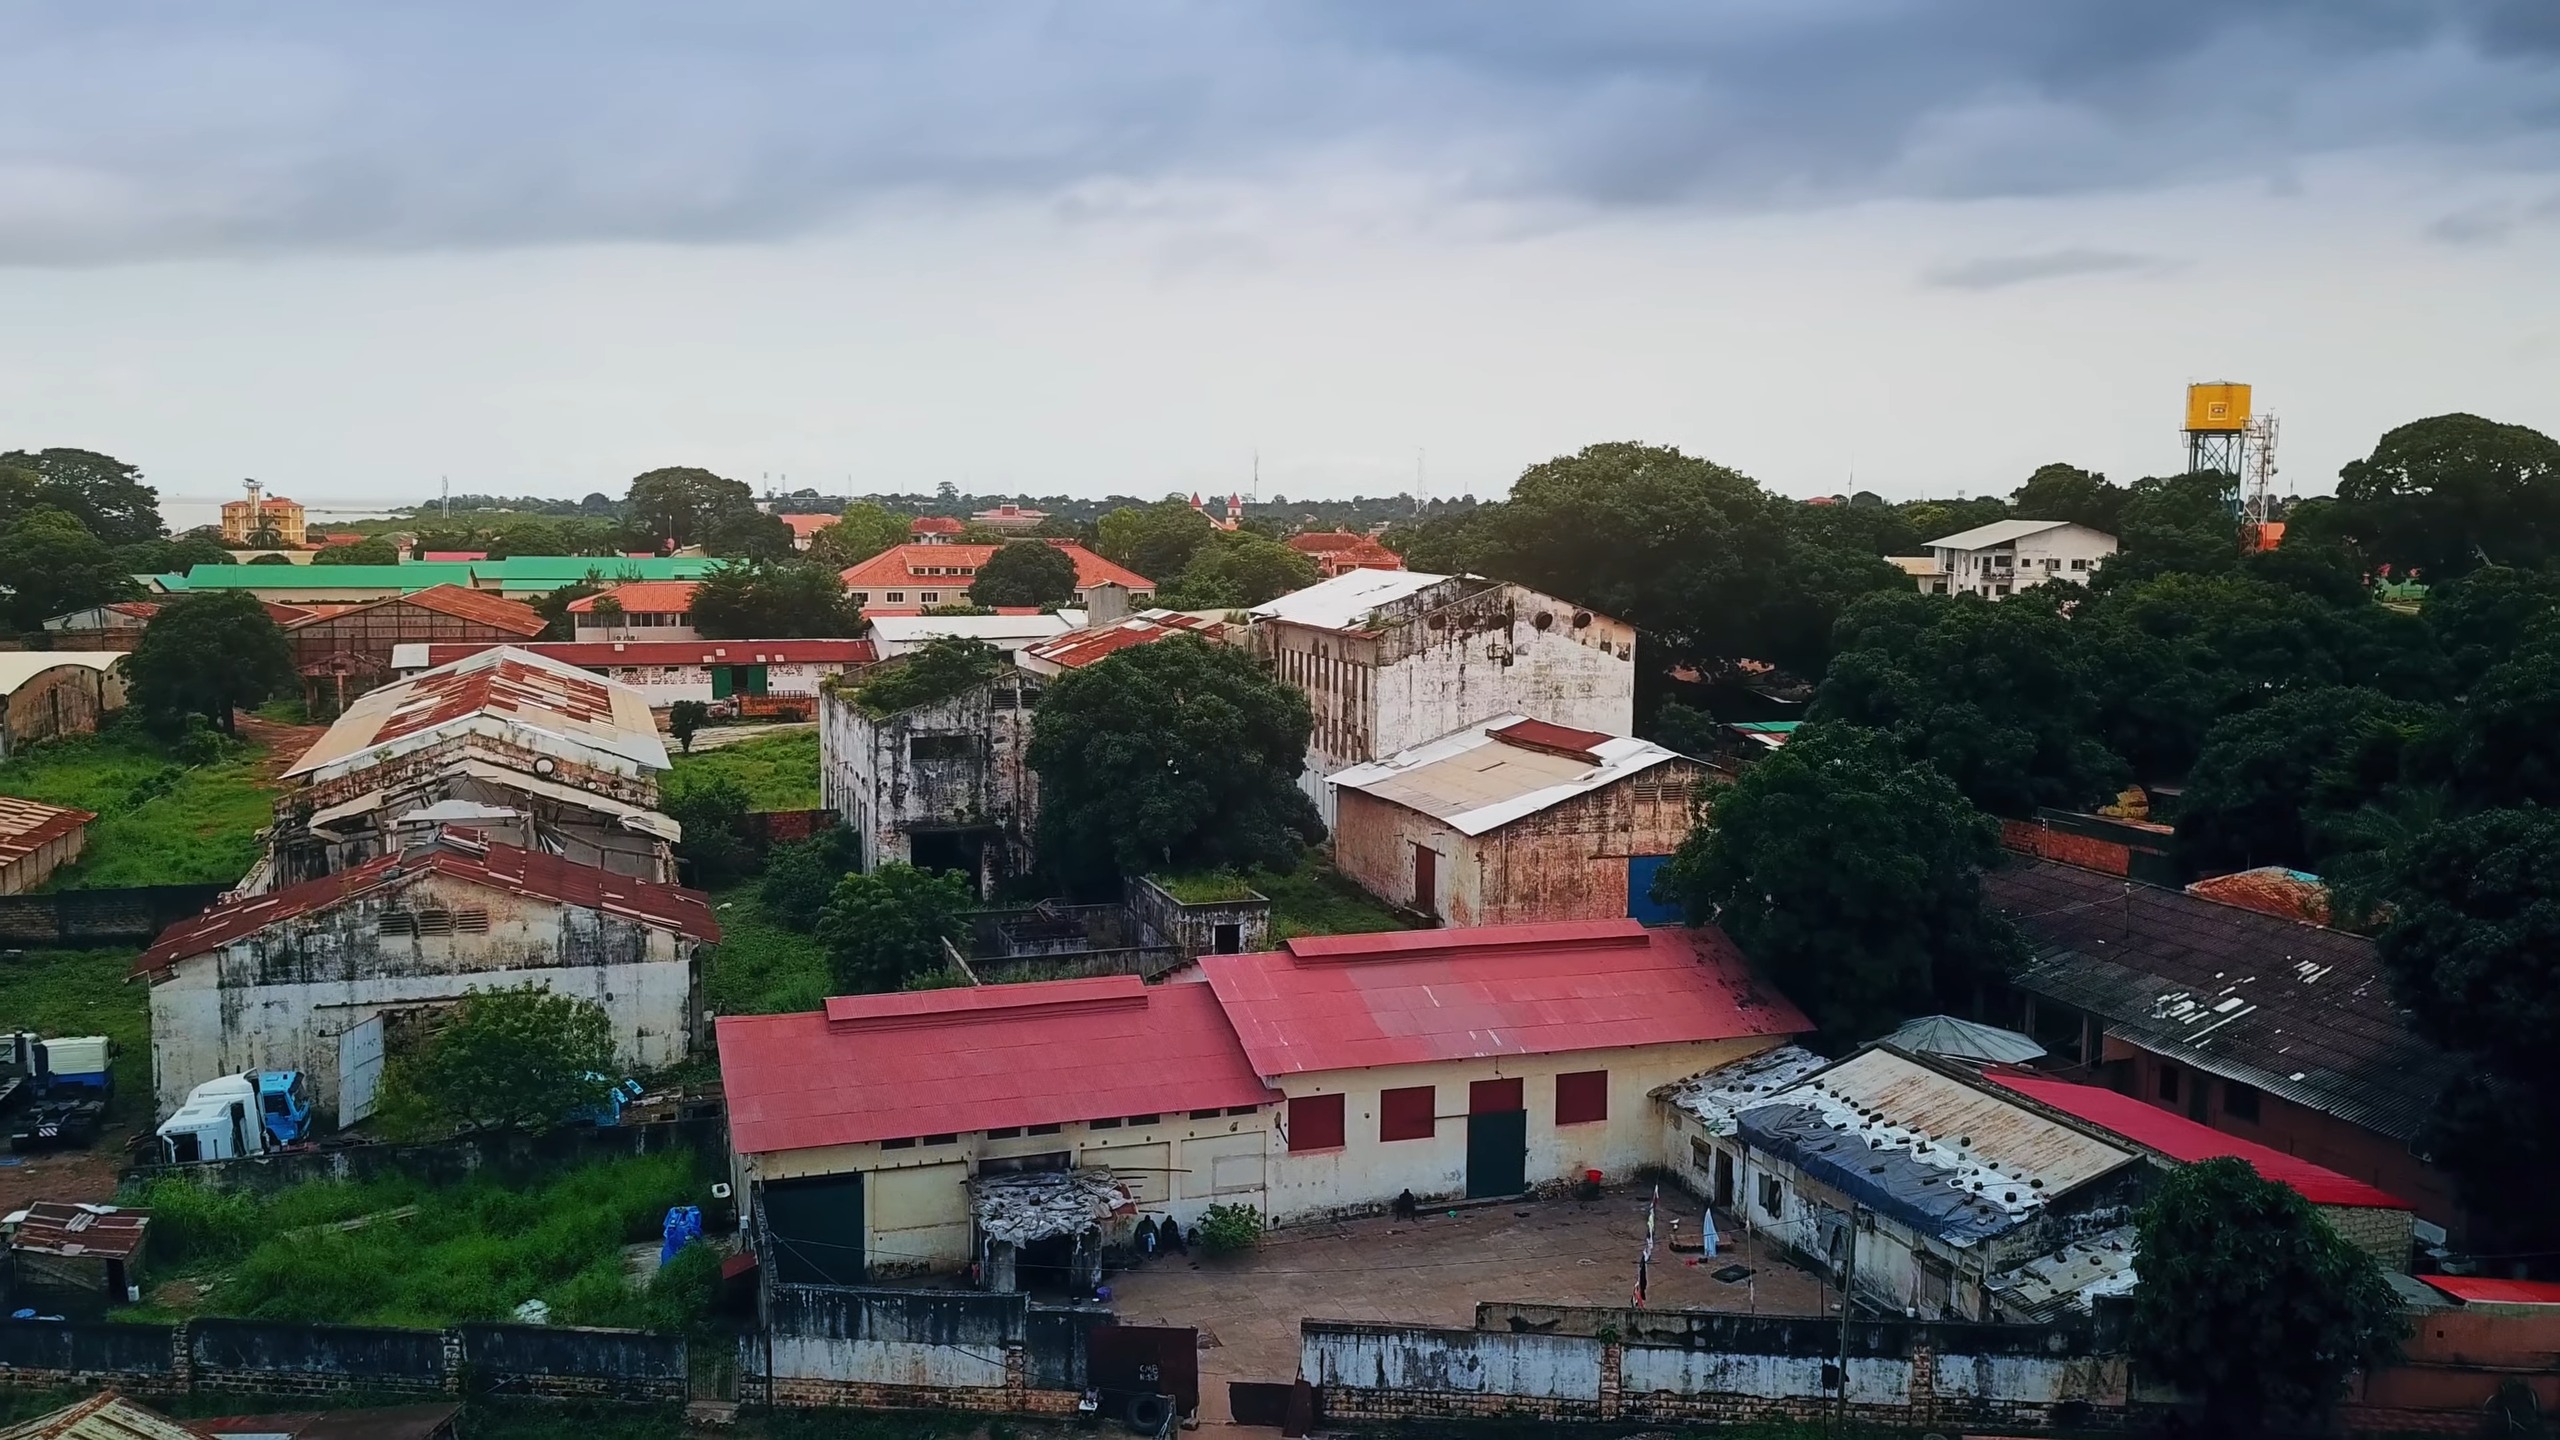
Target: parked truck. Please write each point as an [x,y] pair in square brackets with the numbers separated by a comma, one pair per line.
[254,1112]
[56,1089]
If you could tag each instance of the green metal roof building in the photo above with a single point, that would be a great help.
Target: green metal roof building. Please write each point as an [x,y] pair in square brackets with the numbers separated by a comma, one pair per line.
[521,577]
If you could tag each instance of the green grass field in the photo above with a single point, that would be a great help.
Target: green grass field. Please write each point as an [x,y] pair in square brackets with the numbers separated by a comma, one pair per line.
[464,1252]
[159,822]
[778,772]
[761,967]
[1314,899]
[83,992]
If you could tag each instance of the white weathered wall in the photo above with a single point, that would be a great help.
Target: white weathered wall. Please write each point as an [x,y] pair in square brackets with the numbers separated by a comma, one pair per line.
[868,776]
[279,1000]
[1466,1362]
[1192,1164]
[1368,1173]
[886,1362]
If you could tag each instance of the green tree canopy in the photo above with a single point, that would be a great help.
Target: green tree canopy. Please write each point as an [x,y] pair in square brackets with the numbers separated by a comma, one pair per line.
[1851,874]
[1179,755]
[522,1058]
[107,494]
[712,814]
[1156,540]
[886,928]
[52,565]
[935,671]
[865,531]
[372,550]
[2250,1300]
[2272,783]
[1996,695]
[1237,570]
[1708,565]
[683,505]
[173,556]
[2486,616]
[2449,493]
[1025,572]
[2067,492]
[208,655]
[772,600]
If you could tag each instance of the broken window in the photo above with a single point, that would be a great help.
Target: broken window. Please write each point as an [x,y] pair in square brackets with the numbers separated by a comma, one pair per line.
[433,922]
[1582,1097]
[1772,1196]
[1406,1114]
[2239,1101]
[938,747]
[2169,1083]
[1315,1122]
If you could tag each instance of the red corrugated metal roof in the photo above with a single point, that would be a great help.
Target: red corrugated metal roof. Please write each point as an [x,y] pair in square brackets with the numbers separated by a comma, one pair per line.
[2187,1141]
[27,826]
[2483,1290]
[2270,890]
[455,556]
[1408,997]
[1079,648]
[932,1062]
[934,525]
[477,606]
[643,597]
[605,654]
[1554,739]
[59,1227]
[504,867]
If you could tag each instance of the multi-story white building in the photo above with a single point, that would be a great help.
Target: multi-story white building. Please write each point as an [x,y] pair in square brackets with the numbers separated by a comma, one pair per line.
[2007,556]
[1393,658]
[945,785]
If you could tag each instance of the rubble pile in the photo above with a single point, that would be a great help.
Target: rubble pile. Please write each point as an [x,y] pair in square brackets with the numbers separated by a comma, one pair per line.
[1035,1206]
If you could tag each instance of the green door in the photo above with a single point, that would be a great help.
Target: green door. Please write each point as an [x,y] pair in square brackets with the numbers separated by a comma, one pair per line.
[723,682]
[755,679]
[1497,1139]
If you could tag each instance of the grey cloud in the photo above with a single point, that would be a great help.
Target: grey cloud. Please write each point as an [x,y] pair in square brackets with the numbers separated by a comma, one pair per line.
[2491,223]
[247,127]
[1998,272]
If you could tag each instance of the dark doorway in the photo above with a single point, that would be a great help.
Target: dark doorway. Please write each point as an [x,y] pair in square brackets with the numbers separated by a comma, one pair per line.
[1724,1180]
[815,1226]
[1047,1265]
[1426,881]
[1497,1139]
[1227,939]
[948,850]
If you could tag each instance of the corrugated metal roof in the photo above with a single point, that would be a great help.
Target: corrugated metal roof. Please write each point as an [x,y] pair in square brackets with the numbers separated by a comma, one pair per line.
[1344,602]
[511,688]
[2186,1141]
[2068,1279]
[895,633]
[903,566]
[1998,532]
[1406,997]
[2484,1290]
[61,1227]
[887,1067]
[1717,1097]
[605,654]
[29,825]
[477,606]
[103,1416]
[643,597]
[17,667]
[2298,1011]
[1964,1040]
[1079,648]
[505,867]
[1477,781]
[1957,1159]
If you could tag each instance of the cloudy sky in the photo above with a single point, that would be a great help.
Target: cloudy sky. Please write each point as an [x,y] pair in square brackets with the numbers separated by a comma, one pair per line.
[1099,246]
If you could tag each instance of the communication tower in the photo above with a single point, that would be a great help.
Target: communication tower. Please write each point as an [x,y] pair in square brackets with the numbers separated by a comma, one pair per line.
[2217,427]
[2261,504]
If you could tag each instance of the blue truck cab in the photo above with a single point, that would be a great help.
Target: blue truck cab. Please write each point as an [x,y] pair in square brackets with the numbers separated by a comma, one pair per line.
[284,1104]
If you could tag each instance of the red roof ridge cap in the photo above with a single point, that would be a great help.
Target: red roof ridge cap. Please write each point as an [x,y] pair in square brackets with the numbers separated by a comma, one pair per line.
[1399,944]
[898,1009]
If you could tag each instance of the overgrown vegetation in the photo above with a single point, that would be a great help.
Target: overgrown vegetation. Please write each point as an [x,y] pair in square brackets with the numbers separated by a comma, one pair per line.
[762,966]
[519,1058]
[1225,1229]
[775,772]
[161,821]
[886,929]
[712,813]
[1206,887]
[936,671]
[83,992]
[1314,899]
[430,1256]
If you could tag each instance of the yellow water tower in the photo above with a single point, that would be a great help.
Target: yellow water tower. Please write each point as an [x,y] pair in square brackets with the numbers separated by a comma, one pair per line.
[2217,426]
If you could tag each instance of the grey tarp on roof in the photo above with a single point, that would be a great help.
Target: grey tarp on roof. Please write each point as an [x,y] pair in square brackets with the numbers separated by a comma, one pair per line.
[1964,1040]
[2298,1011]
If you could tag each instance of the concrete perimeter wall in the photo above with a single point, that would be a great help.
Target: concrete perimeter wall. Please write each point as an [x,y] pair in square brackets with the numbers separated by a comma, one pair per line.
[875,1348]
[257,1357]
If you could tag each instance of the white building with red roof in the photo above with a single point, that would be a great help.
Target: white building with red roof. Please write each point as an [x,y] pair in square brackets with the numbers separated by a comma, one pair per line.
[314,976]
[1328,1076]
[1078,648]
[636,610]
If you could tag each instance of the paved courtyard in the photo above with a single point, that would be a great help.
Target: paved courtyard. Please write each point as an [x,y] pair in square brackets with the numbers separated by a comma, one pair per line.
[1563,1252]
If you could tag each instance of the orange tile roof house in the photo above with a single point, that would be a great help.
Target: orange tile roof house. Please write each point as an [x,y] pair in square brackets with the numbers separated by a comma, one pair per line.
[805,528]
[939,574]
[641,610]
[1336,551]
